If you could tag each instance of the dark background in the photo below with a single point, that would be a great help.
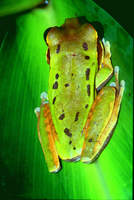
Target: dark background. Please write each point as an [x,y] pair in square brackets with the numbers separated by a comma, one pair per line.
[22,168]
[121,11]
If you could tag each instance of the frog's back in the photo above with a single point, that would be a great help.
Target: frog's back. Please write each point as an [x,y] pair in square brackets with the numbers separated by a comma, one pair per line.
[73,64]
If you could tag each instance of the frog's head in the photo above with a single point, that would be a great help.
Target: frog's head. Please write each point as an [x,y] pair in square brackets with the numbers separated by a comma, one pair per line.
[70,23]
[72,29]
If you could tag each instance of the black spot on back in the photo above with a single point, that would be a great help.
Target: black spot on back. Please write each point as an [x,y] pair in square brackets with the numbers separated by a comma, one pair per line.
[87,57]
[45,33]
[67,132]
[67,84]
[90,140]
[88,90]
[93,63]
[72,74]
[87,73]
[55,85]
[57,76]
[85,46]
[86,106]
[74,148]
[70,142]
[76,116]
[61,117]
[54,99]
[58,48]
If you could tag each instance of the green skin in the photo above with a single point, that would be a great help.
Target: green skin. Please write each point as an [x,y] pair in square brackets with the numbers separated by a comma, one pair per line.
[73,61]
[77,122]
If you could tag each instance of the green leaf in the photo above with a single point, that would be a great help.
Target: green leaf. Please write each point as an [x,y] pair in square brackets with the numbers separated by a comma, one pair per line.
[14,6]
[23,76]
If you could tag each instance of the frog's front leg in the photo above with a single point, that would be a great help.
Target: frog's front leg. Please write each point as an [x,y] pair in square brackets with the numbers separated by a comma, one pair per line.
[105,71]
[47,134]
[102,119]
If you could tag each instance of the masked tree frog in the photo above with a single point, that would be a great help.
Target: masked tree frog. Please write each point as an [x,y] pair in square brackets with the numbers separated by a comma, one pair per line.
[76,118]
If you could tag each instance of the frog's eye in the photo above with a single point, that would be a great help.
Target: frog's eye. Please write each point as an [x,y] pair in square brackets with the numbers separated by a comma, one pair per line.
[99,28]
[45,34]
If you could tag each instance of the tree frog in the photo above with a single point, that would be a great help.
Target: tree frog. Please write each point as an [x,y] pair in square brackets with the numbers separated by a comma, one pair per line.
[77,117]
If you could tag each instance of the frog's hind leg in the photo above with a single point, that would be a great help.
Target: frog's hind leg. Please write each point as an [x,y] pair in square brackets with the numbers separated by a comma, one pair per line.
[102,119]
[47,134]
[105,66]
